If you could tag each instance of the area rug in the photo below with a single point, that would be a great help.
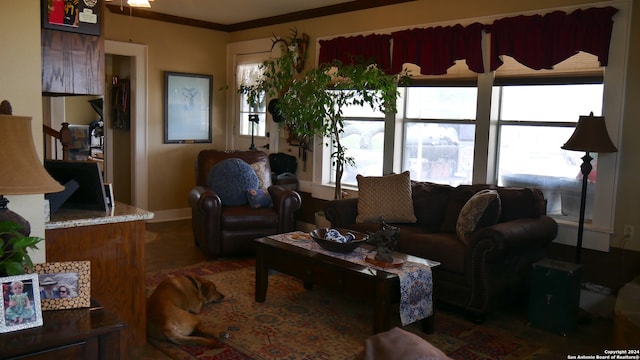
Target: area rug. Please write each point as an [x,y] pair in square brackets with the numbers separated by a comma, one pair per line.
[294,323]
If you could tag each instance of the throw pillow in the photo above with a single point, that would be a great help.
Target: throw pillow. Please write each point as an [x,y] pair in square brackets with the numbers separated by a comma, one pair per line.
[259,168]
[483,209]
[385,196]
[259,198]
[230,179]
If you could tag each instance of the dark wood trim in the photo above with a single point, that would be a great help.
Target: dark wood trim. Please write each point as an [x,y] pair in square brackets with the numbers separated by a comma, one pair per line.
[295,16]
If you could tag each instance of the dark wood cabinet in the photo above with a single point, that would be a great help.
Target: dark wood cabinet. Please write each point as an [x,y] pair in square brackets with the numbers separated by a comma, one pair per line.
[87,333]
[72,63]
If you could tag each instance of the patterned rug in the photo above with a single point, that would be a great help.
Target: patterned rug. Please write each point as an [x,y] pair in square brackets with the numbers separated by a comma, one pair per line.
[294,323]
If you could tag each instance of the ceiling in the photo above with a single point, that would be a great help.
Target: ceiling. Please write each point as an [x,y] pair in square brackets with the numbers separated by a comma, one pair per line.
[234,15]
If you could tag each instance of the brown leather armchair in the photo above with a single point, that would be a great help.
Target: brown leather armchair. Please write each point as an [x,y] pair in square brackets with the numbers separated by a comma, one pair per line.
[221,230]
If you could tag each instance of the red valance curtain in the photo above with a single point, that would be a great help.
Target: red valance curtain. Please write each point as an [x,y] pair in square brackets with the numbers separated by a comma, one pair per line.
[436,49]
[370,49]
[542,41]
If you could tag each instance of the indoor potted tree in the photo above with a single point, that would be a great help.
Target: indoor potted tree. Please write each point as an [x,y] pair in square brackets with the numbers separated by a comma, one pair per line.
[14,258]
[312,104]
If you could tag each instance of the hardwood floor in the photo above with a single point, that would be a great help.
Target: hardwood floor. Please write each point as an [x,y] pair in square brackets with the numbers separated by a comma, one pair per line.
[170,245]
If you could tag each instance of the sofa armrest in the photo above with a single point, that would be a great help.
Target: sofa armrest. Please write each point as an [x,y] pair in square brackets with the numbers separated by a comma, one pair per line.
[342,212]
[286,202]
[517,236]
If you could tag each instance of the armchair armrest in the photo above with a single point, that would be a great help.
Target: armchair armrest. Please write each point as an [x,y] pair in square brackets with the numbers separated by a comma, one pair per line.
[342,212]
[286,202]
[204,200]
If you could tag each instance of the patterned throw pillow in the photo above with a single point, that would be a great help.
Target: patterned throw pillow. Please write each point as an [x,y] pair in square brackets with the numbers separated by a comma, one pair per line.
[260,170]
[230,179]
[259,198]
[483,209]
[386,196]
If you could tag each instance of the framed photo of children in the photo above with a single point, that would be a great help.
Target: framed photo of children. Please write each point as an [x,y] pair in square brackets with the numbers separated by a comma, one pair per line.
[20,306]
[79,16]
[64,285]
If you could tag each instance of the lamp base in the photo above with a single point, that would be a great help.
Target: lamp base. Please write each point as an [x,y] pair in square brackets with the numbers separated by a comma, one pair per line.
[8,215]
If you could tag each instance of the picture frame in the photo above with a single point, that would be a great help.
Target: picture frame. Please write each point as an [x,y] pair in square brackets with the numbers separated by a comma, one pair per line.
[187,108]
[20,309]
[86,19]
[64,285]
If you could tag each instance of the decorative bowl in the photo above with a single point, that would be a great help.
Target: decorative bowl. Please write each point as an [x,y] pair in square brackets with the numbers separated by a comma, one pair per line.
[318,236]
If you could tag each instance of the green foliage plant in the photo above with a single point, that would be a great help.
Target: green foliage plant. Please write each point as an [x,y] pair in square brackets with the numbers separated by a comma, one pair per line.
[312,103]
[14,258]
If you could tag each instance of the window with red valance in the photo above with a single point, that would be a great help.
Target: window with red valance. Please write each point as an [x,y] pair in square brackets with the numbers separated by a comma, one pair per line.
[542,41]
[436,49]
[536,41]
[370,49]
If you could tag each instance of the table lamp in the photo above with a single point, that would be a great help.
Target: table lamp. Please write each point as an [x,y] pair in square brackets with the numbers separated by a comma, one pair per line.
[590,135]
[21,171]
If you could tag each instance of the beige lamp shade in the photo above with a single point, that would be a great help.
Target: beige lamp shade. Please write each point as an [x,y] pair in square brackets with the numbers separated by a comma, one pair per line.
[590,135]
[21,171]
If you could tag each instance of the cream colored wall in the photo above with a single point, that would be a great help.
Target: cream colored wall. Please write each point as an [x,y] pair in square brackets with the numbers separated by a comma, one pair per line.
[78,111]
[174,48]
[21,84]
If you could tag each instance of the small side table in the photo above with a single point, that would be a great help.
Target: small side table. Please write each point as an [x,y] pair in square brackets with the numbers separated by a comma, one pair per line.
[555,295]
[87,333]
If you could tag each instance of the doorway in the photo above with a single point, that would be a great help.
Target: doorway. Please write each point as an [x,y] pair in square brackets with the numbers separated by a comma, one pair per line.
[129,147]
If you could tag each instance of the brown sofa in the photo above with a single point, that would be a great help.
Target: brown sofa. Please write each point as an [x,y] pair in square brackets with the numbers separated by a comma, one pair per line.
[497,258]
[221,230]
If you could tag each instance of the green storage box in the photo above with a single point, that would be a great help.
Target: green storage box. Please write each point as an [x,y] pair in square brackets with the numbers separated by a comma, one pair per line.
[555,295]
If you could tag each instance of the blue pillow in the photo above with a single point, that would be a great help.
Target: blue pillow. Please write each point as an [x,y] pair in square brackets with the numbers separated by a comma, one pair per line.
[230,179]
[259,198]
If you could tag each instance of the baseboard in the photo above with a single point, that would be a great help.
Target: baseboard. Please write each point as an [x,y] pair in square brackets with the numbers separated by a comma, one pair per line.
[170,215]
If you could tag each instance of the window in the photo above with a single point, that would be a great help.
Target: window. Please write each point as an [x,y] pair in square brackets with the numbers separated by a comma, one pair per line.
[363,139]
[534,122]
[247,74]
[439,133]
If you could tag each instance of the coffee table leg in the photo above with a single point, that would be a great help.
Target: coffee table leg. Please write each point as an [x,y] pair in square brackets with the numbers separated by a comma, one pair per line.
[262,275]
[382,306]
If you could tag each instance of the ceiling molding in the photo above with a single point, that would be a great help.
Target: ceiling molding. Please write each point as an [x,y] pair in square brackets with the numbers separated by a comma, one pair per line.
[274,20]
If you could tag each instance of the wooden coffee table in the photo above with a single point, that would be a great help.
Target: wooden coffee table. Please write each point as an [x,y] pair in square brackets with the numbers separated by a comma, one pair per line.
[334,273]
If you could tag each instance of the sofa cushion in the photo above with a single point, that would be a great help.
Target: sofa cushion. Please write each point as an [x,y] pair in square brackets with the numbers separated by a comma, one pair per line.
[230,179]
[482,209]
[429,203]
[259,198]
[442,247]
[386,196]
[521,203]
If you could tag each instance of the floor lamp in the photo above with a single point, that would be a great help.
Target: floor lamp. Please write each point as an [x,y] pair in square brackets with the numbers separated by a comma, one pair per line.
[590,135]
[21,170]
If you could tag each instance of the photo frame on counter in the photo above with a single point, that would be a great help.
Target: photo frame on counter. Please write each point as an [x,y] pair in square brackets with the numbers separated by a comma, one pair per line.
[20,305]
[83,16]
[64,285]
[187,108]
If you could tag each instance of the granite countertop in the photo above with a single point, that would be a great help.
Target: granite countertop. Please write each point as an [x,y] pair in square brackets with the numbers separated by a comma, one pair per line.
[68,218]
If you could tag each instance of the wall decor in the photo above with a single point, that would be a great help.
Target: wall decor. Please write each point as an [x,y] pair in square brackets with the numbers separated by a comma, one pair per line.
[187,108]
[64,285]
[79,16]
[20,305]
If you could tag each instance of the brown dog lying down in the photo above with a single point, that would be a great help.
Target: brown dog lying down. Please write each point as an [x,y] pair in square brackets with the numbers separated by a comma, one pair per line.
[171,308]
